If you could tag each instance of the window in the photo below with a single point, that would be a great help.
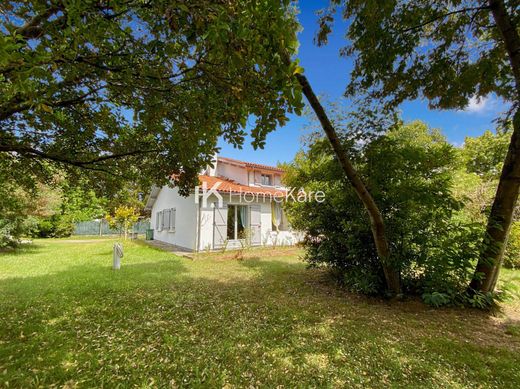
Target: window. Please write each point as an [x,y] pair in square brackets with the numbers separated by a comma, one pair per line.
[267,179]
[236,222]
[165,219]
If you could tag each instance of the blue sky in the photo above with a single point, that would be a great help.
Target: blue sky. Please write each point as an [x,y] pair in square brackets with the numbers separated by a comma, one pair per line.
[328,73]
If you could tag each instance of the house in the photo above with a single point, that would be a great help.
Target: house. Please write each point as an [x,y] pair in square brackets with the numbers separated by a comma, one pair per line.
[237,203]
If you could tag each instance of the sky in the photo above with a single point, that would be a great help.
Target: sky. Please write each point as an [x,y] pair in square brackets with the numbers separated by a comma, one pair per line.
[328,74]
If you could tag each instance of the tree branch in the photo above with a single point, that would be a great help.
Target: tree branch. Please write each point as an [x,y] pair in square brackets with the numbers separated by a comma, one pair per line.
[31,28]
[7,112]
[511,39]
[485,7]
[82,164]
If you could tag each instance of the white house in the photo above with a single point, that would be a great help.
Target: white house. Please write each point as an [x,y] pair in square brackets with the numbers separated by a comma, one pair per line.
[236,203]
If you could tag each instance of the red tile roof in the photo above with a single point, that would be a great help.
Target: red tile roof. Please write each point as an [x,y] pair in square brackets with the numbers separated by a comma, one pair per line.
[250,164]
[230,186]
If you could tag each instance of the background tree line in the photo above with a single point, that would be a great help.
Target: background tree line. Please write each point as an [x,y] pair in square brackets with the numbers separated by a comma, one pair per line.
[52,209]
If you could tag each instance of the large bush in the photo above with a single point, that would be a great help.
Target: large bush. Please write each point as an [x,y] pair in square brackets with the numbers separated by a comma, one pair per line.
[409,171]
[55,226]
[13,228]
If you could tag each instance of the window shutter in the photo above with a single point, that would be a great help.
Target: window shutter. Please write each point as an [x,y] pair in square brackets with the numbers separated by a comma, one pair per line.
[220,226]
[162,219]
[166,219]
[171,226]
[159,220]
[255,224]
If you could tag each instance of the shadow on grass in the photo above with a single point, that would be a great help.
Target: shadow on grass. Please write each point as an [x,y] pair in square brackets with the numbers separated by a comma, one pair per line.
[267,265]
[22,249]
[169,323]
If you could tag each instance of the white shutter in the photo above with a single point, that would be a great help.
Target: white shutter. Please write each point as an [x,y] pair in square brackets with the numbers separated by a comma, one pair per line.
[171,226]
[219,226]
[159,220]
[166,219]
[256,224]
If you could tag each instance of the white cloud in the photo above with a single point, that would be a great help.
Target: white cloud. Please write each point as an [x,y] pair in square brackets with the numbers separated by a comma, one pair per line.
[479,105]
[457,144]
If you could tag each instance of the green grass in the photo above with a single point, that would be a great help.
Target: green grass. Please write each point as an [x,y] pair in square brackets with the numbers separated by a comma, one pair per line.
[67,319]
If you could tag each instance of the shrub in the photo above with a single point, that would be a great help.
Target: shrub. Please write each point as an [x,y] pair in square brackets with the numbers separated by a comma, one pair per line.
[16,219]
[55,226]
[123,219]
[409,172]
[13,228]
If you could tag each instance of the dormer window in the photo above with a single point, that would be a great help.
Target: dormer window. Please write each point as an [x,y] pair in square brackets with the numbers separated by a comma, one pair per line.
[267,179]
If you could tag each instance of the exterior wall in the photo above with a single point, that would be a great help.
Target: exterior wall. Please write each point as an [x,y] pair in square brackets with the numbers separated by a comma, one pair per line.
[235,173]
[185,218]
[212,170]
[206,225]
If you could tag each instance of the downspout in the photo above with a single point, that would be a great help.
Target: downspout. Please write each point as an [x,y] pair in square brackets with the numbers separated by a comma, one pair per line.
[197,229]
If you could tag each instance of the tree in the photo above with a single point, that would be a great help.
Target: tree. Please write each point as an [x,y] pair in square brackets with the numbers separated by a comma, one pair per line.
[484,155]
[21,208]
[446,52]
[14,214]
[377,224]
[82,204]
[123,219]
[137,90]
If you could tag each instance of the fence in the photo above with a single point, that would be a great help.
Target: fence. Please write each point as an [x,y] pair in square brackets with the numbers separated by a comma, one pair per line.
[101,227]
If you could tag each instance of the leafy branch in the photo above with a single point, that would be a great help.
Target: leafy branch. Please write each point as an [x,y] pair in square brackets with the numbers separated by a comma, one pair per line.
[443,16]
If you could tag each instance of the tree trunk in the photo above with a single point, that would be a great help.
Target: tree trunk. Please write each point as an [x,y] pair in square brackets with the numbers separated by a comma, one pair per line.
[376,219]
[500,218]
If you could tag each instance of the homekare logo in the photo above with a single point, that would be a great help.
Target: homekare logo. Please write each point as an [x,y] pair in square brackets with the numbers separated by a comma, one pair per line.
[248,197]
[207,193]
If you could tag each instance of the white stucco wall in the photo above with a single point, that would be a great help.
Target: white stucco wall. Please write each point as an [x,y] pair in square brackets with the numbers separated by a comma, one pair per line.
[235,173]
[206,225]
[185,218]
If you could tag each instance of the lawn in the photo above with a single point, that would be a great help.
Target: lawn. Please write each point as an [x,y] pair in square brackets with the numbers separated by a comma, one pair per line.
[67,319]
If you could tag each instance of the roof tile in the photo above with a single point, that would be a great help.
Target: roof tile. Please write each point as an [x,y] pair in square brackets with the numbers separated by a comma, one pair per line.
[230,186]
[250,164]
